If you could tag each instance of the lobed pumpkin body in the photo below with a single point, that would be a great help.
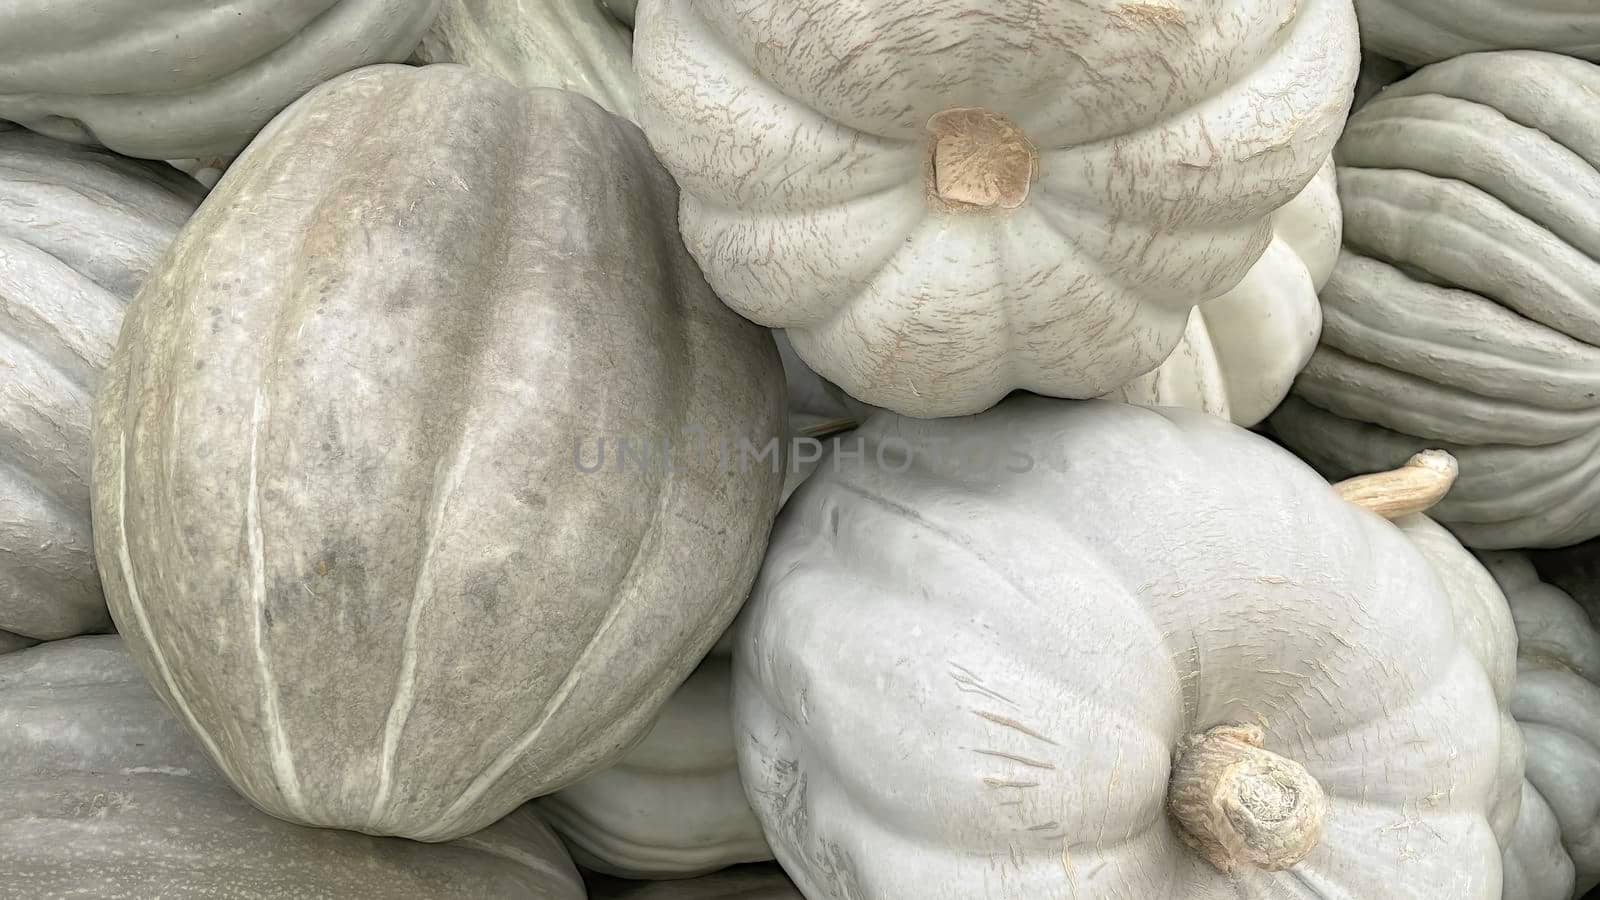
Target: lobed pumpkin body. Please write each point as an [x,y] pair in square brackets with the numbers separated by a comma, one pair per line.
[673,807]
[742,883]
[181,79]
[574,45]
[1557,704]
[1464,311]
[1535,865]
[1427,31]
[966,666]
[80,229]
[1240,353]
[104,793]
[346,501]
[940,205]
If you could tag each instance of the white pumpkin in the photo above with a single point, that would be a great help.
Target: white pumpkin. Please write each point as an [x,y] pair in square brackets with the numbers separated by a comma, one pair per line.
[573,45]
[941,202]
[674,806]
[1240,352]
[1557,703]
[967,666]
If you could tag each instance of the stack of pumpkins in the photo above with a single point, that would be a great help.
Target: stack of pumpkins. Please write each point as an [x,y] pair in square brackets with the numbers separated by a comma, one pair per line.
[431,482]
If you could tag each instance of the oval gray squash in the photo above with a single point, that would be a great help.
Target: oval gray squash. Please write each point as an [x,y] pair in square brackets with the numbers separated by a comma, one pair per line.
[167,79]
[1464,311]
[357,496]
[80,229]
[103,793]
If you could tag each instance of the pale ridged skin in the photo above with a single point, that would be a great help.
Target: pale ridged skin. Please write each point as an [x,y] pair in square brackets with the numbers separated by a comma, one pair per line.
[966,682]
[743,883]
[1535,865]
[1424,31]
[175,79]
[1464,311]
[1557,703]
[104,793]
[1241,352]
[674,806]
[1166,134]
[338,498]
[573,45]
[80,229]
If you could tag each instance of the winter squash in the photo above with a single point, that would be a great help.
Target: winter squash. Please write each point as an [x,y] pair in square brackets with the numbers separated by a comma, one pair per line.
[939,208]
[569,44]
[1241,351]
[353,500]
[742,883]
[674,806]
[1425,31]
[1463,312]
[101,789]
[1557,703]
[1534,867]
[183,79]
[80,229]
[1040,670]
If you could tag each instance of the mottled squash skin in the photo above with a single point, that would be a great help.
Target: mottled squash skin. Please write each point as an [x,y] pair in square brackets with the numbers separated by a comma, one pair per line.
[104,793]
[346,504]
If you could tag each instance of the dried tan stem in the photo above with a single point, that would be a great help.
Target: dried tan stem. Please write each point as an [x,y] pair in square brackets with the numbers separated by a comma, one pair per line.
[1413,488]
[981,159]
[1237,804]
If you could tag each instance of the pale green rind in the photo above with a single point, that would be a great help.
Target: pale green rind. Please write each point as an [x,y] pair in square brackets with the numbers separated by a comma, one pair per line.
[1425,31]
[174,79]
[104,794]
[80,230]
[1505,497]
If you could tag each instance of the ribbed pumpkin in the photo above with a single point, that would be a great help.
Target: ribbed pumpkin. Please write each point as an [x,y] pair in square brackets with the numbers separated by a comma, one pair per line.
[968,665]
[1557,703]
[103,793]
[941,202]
[743,883]
[80,229]
[1241,352]
[574,45]
[674,806]
[1464,312]
[182,79]
[347,505]
[1425,31]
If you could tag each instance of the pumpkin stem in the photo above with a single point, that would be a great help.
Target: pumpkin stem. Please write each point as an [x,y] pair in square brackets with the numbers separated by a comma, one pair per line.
[981,159]
[1413,488]
[1237,804]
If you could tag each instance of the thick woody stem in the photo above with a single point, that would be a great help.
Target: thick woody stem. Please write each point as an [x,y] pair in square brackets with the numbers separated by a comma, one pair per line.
[981,159]
[1413,488]
[1240,805]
